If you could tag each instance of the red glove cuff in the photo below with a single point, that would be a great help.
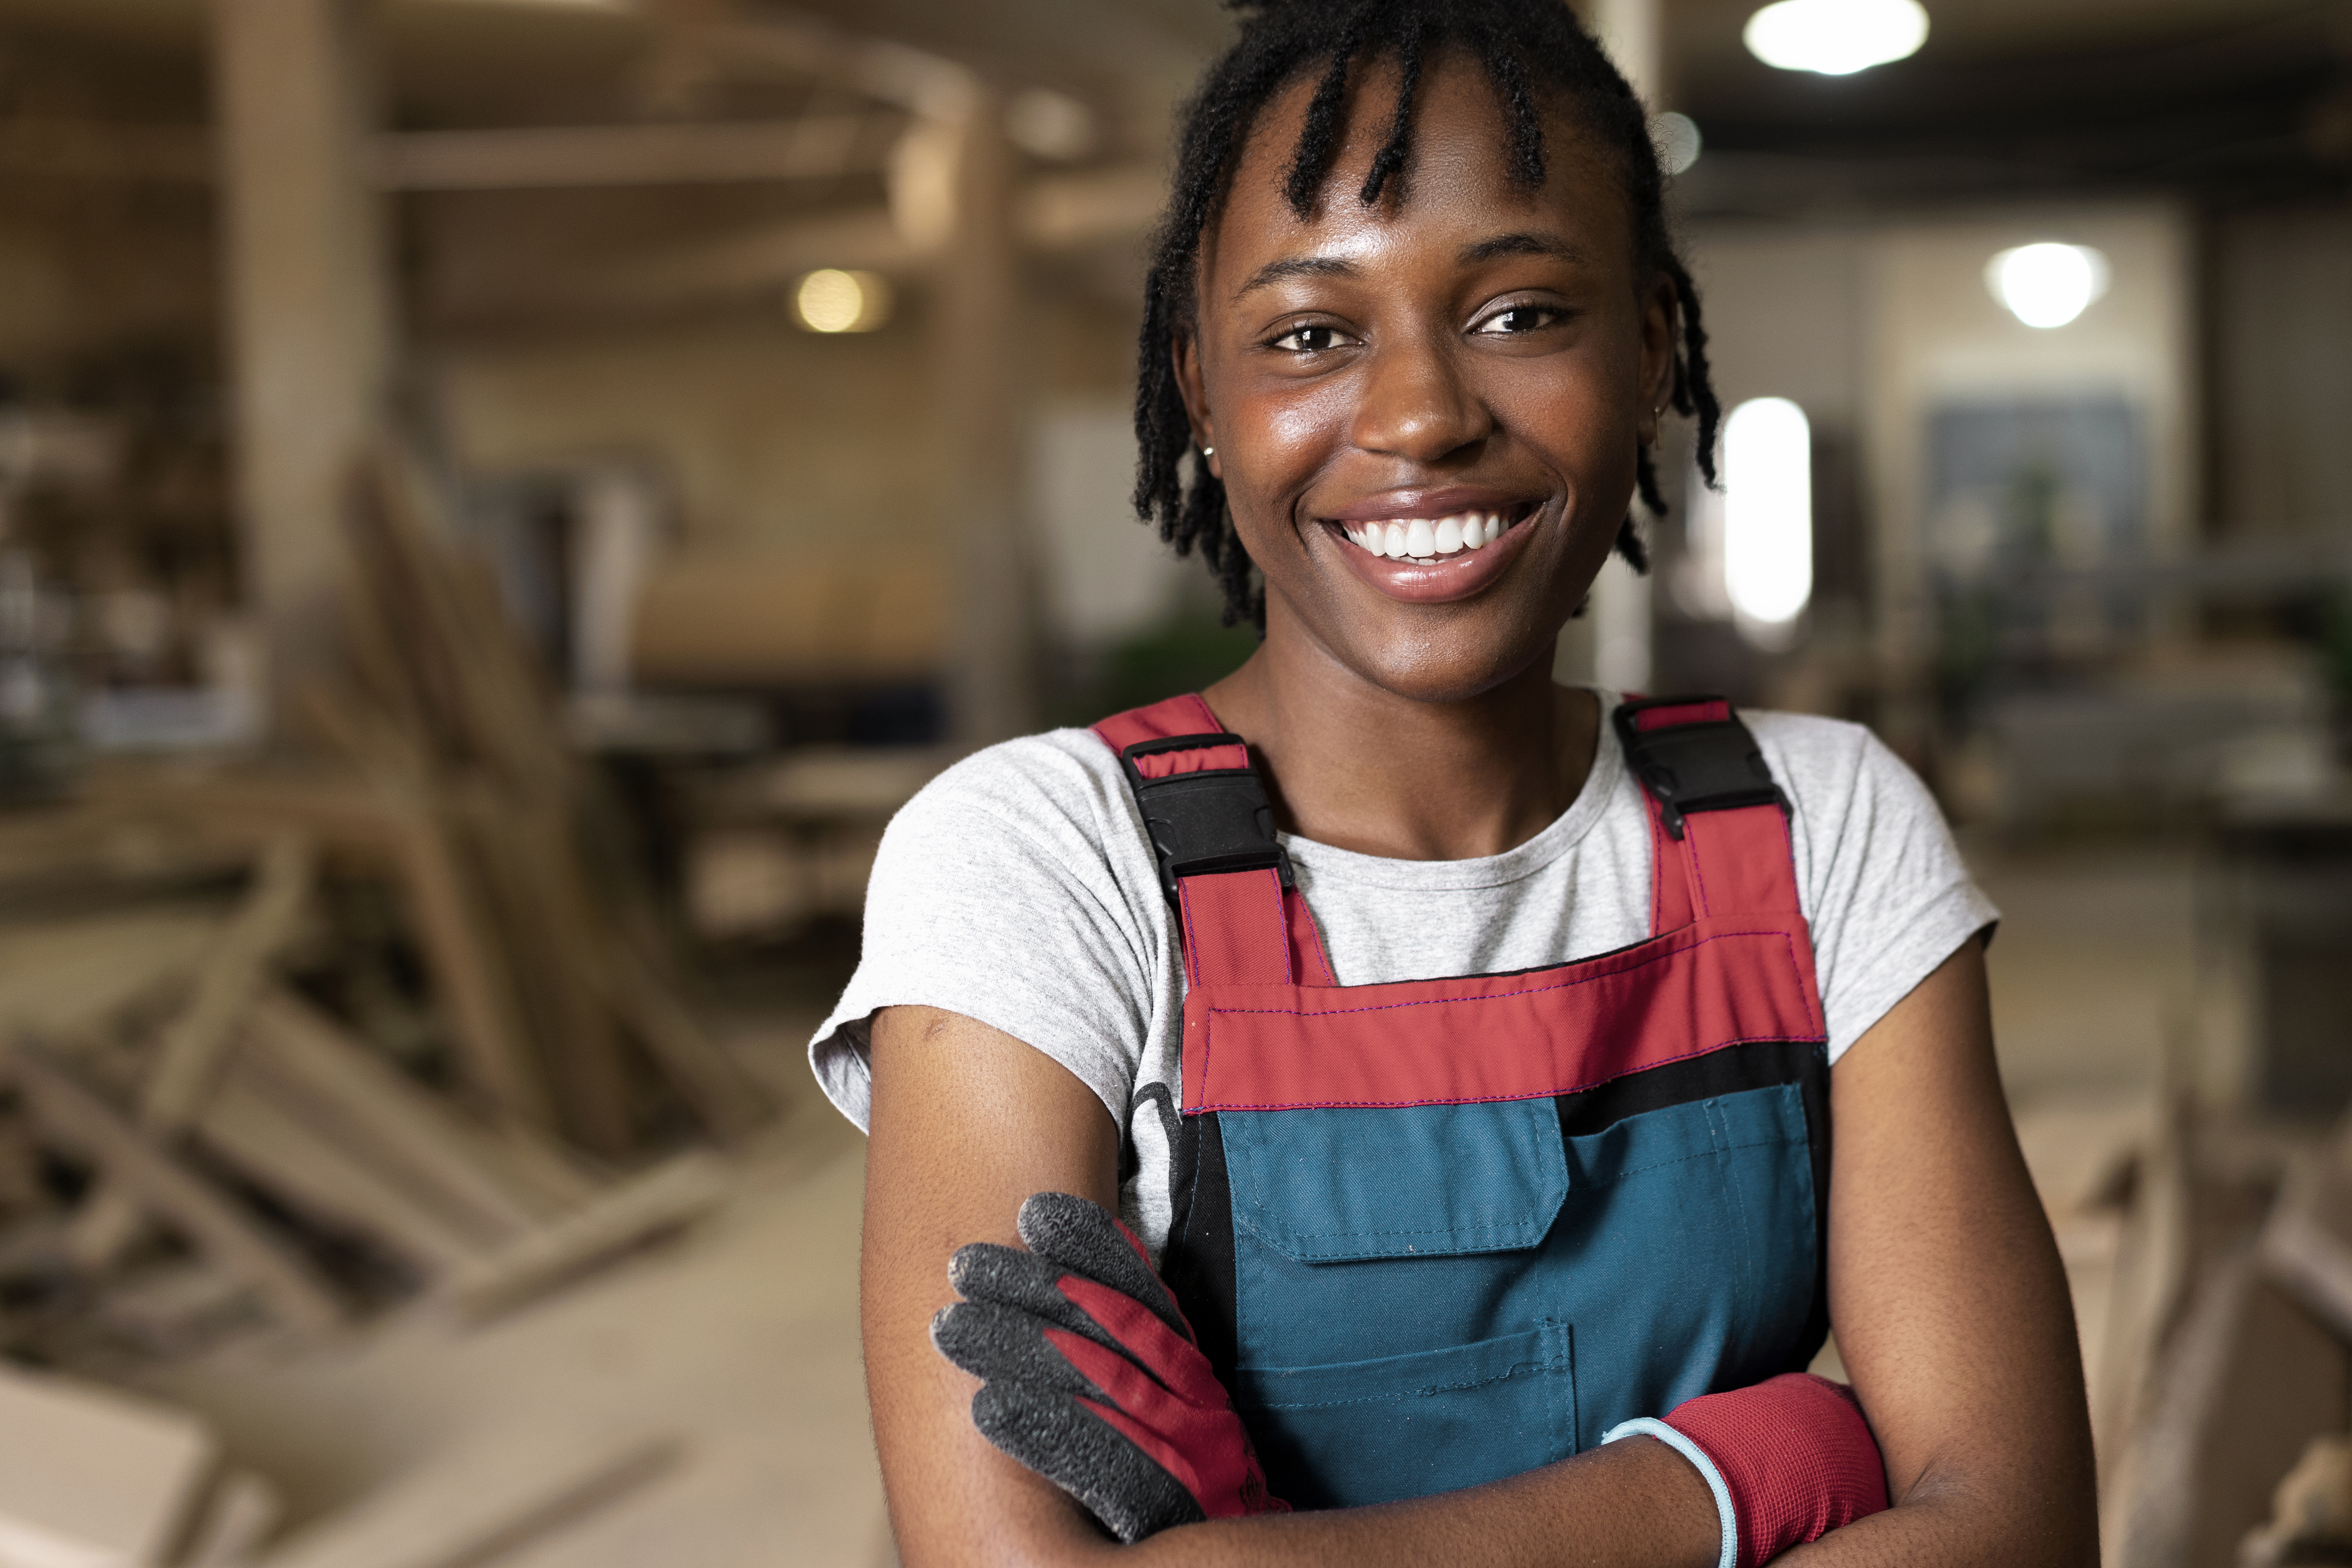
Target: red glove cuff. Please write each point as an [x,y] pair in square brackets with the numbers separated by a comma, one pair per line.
[1795,1455]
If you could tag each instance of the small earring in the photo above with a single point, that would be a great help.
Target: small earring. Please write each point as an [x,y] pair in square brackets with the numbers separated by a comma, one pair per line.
[1208,451]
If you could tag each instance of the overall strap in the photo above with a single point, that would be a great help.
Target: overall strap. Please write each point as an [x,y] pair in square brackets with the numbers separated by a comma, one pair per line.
[1718,825]
[1241,919]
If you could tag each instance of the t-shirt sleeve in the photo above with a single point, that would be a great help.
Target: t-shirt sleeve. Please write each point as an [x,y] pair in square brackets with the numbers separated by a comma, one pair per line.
[1885,891]
[998,893]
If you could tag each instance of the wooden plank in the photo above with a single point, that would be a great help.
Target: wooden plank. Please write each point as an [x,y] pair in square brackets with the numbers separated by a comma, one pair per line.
[175,1195]
[366,1101]
[91,1478]
[475,1507]
[194,1044]
[311,1171]
[245,1508]
[193,1047]
[669,1195]
[547,926]
[814,146]
[393,829]
[730,1101]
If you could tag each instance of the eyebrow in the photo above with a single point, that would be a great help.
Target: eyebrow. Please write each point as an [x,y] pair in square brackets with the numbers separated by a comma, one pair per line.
[1298,267]
[1501,244]
[1523,244]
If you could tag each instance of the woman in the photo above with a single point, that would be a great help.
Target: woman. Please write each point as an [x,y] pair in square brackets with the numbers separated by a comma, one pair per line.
[1498,1103]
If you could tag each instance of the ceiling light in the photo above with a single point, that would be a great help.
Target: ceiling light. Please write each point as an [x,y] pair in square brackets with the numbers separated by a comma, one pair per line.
[1050,125]
[2047,284]
[833,300]
[1768,510]
[1836,37]
[1678,140]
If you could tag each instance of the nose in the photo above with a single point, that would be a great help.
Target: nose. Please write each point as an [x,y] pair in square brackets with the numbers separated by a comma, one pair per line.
[1414,403]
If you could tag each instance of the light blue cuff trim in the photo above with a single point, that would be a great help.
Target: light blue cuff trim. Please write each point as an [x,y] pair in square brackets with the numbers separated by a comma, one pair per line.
[1648,1426]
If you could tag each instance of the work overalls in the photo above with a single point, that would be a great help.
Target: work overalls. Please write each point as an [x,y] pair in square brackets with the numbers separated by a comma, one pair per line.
[1439,1231]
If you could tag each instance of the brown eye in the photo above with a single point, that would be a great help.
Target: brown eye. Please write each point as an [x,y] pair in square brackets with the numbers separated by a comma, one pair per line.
[1517,319]
[1309,340]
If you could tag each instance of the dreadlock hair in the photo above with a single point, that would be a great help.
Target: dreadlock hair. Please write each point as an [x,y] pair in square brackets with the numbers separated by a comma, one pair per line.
[1525,47]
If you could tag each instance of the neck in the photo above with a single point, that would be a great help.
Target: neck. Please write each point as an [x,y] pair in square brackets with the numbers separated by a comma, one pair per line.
[1351,764]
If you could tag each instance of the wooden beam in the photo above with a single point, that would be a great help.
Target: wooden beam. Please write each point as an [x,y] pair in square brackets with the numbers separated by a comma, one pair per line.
[310,311]
[624,1217]
[176,1196]
[311,1060]
[816,146]
[1052,214]
[197,1041]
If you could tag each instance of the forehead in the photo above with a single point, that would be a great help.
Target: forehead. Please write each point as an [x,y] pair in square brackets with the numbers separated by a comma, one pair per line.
[1456,184]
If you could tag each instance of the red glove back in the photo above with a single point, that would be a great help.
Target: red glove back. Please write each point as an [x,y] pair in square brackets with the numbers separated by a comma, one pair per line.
[1792,1453]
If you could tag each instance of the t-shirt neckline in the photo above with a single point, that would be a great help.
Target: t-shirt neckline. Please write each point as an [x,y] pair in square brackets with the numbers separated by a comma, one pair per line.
[1558,837]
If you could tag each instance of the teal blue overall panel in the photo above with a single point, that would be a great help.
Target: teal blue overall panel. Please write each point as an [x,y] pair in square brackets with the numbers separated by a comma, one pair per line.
[1676,1246]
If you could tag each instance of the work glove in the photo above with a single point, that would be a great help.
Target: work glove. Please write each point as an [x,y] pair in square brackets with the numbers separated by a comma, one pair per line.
[1789,1460]
[1091,1377]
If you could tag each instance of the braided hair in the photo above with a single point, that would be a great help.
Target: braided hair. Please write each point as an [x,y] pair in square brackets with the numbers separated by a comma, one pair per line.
[1525,47]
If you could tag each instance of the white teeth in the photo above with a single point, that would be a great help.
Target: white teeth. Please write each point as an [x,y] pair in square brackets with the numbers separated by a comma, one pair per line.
[1422,539]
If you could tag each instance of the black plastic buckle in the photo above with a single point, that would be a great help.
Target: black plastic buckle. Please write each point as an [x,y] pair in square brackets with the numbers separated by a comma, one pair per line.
[1712,765]
[1204,823]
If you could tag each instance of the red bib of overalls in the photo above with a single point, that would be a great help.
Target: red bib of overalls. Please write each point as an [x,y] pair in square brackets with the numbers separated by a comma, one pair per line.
[1438,1232]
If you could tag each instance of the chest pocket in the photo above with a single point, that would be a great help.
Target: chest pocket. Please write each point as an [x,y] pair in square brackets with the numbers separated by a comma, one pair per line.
[1380,1234]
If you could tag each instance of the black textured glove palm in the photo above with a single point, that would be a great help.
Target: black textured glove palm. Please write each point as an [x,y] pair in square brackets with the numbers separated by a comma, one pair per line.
[1091,1377]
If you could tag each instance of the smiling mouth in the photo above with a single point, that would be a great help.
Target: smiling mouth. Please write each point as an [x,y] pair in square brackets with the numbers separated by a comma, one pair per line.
[1422,540]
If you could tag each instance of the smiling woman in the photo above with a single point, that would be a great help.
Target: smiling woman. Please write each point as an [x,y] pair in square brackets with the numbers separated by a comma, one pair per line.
[1503,1086]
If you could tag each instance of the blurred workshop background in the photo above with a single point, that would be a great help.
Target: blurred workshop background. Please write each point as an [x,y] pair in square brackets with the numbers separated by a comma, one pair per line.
[500,500]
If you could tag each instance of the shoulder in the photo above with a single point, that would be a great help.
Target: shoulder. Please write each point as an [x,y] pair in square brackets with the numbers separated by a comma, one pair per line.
[1043,808]
[1829,767]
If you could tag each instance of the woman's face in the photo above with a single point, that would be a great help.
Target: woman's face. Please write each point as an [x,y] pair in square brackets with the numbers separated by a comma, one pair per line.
[1477,358]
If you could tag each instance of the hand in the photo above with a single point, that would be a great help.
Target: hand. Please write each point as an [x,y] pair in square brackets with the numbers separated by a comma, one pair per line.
[1091,1376]
[1789,1460]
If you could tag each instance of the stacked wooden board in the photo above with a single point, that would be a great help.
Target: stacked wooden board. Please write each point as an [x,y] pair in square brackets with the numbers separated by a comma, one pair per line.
[465,1098]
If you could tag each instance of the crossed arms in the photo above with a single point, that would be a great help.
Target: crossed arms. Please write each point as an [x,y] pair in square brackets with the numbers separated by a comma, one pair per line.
[1945,1288]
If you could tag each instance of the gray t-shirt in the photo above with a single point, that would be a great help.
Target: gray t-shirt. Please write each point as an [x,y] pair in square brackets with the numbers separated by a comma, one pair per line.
[1018,888]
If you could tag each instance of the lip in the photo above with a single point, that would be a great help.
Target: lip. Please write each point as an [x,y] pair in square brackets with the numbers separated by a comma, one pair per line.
[1441,582]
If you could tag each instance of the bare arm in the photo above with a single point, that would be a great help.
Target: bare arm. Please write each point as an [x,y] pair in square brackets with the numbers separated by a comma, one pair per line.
[1951,1304]
[967,1123]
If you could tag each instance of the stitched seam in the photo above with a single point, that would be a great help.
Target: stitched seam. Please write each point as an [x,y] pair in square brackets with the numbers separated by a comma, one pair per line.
[1556,1363]
[1485,1100]
[1427,1229]
[1697,869]
[1657,872]
[1282,931]
[1191,954]
[1530,990]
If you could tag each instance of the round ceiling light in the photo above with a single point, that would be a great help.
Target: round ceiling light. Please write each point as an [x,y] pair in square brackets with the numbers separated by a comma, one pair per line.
[2047,284]
[1836,37]
[1678,140]
[833,300]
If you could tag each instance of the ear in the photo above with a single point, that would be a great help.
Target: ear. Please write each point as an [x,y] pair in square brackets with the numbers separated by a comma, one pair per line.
[1660,318]
[1185,350]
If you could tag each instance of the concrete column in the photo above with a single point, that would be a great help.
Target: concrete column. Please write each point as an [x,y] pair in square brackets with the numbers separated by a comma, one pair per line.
[993,676]
[1620,634]
[1633,31]
[308,305]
